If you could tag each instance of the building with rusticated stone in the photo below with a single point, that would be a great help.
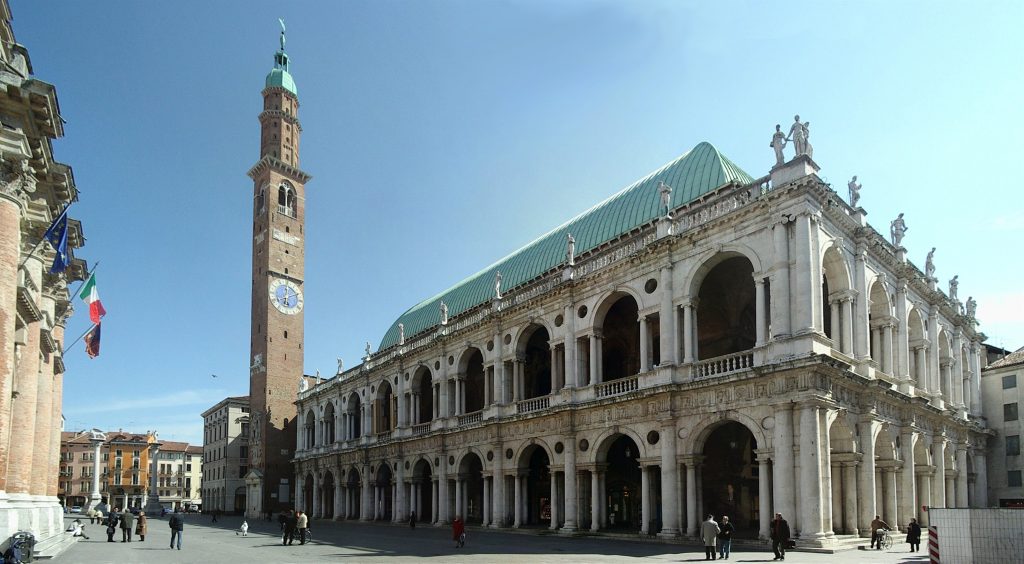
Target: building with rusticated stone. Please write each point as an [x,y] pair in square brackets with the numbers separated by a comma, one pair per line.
[704,341]
[34,304]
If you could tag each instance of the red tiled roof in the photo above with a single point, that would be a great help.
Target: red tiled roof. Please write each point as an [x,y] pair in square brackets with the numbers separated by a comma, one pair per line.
[1016,357]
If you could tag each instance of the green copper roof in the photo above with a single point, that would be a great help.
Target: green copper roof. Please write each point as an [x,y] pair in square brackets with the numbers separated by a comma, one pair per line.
[282,78]
[699,171]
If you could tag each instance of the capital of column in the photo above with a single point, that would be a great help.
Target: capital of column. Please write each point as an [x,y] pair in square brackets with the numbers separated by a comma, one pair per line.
[692,459]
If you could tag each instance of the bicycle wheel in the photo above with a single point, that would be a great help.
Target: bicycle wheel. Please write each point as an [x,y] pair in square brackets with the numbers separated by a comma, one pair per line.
[887,542]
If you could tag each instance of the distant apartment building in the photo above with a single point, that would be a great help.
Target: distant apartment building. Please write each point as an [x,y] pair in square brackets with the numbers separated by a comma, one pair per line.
[1001,384]
[225,454]
[124,464]
[179,475]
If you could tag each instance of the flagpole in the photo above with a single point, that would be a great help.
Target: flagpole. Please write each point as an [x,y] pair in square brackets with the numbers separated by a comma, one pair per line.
[41,239]
[80,337]
[84,280]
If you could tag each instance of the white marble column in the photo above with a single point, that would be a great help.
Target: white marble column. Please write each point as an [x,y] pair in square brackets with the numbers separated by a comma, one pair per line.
[645,353]
[435,501]
[595,358]
[498,497]
[645,500]
[866,473]
[553,525]
[961,478]
[667,319]
[153,506]
[850,498]
[891,498]
[811,475]
[669,468]
[595,501]
[780,298]
[957,378]
[908,487]
[764,513]
[976,381]
[572,376]
[834,323]
[688,349]
[887,348]
[760,315]
[784,493]
[442,491]
[460,483]
[861,306]
[846,306]
[517,520]
[570,485]
[939,480]
[980,480]
[902,338]
[94,496]
[803,296]
[933,357]
[692,519]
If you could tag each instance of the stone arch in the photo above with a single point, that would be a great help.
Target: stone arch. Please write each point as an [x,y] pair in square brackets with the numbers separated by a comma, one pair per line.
[470,365]
[308,491]
[945,365]
[327,495]
[728,482]
[421,388]
[534,466]
[471,451]
[384,407]
[309,429]
[533,350]
[354,409]
[619,454]
[526,449]
[422,498]
[383,477]
[843,456]
[616,321]
[470,481]
[882,325]
[835,290]
[695,441]
[330,424]
[726,310]
[608,298]
[604,440]
[693,279]
[286,199]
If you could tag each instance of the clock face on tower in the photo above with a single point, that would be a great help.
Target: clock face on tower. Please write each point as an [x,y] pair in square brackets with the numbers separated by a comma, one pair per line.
[286,296]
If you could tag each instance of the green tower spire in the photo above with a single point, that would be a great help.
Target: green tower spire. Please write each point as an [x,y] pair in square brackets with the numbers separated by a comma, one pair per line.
[280,76]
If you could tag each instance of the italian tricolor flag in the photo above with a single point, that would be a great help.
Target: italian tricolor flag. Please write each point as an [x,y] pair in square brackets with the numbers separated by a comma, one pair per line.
[91,296]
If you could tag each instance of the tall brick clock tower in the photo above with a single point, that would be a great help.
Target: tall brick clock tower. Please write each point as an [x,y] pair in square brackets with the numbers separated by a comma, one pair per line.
[278,261]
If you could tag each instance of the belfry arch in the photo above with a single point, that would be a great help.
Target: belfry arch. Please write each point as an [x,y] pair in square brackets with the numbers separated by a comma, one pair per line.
[534,378]
[619,337]
[471,368]
[422,403]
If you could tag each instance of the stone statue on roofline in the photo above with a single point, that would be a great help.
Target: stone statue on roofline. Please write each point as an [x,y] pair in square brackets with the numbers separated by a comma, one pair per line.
[798,136]
[954,284]
[497,285]
[972,307]
[341,365]
[317,377]
[444,313]
[303,384]
[854,191]
[897,229]
[367,349]
[778,143]
[666,198]
[401,333]
[929,265]
[570,255]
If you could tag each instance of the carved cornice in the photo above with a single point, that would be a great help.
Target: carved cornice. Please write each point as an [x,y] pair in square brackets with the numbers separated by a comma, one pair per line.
[272,163]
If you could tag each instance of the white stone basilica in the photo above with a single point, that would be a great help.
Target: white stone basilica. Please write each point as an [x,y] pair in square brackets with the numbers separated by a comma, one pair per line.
[701,342]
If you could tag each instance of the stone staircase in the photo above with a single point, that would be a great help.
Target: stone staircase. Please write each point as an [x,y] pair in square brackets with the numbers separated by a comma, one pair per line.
[53,545]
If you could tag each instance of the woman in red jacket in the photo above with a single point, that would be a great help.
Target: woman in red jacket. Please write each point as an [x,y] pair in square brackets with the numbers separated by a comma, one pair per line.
[458,532]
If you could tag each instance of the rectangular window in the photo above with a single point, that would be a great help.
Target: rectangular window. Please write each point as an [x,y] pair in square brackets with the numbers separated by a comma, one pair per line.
[1013,478]
[117,479]
[1013,445]
[117,452]
[243,451]
[1009,381]
[242,471]
[135,453]
[135,479]
[1010,411]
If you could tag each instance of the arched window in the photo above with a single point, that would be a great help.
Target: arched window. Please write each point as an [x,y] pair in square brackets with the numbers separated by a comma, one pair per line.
[286,200]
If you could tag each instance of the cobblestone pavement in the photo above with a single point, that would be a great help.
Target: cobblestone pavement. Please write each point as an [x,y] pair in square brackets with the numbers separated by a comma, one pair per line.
[351,542]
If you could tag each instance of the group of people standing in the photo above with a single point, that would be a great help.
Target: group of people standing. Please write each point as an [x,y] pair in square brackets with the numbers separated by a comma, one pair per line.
[127,522]
[717,537]
[293,522]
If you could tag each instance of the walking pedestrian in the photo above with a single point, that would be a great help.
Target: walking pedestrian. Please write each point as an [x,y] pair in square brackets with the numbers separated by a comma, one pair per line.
[140,526]
[709,534]
[459,532]
[780,537]
[302,523]
[281,519]
[914,535]
[127,520]
[214,512]
[878,527]
[290,522]
[177,525]
[412,519]
[725,538]
[244,529]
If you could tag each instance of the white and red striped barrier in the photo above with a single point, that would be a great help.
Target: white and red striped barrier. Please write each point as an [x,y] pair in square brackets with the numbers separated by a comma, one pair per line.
[933,545]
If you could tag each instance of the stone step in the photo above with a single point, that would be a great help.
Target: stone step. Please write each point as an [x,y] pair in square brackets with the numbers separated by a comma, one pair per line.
[53,545]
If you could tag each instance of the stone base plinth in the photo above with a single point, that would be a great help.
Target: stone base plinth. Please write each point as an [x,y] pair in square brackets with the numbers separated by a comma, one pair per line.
[798,167]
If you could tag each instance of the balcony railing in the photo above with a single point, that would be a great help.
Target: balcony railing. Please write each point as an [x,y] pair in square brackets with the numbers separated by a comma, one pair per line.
[383,436]
[531,405]
[470,418]
[421,429]
[722,365]
[617,387]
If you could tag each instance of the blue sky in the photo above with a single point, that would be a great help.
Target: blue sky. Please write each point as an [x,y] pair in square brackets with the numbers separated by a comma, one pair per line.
[441,135]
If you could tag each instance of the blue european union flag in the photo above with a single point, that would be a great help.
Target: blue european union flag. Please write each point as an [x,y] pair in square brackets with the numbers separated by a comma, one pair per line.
[57,235]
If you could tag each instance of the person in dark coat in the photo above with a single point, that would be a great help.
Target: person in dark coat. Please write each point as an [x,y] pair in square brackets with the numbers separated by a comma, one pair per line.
[780,536]
[725,537]
[412,519]
[291,522]
[111,523]
[914,535]
[177,525]
[127,520]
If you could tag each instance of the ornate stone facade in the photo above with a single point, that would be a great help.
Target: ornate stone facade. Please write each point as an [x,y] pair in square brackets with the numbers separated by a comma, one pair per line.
[758,349]
[34,304]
